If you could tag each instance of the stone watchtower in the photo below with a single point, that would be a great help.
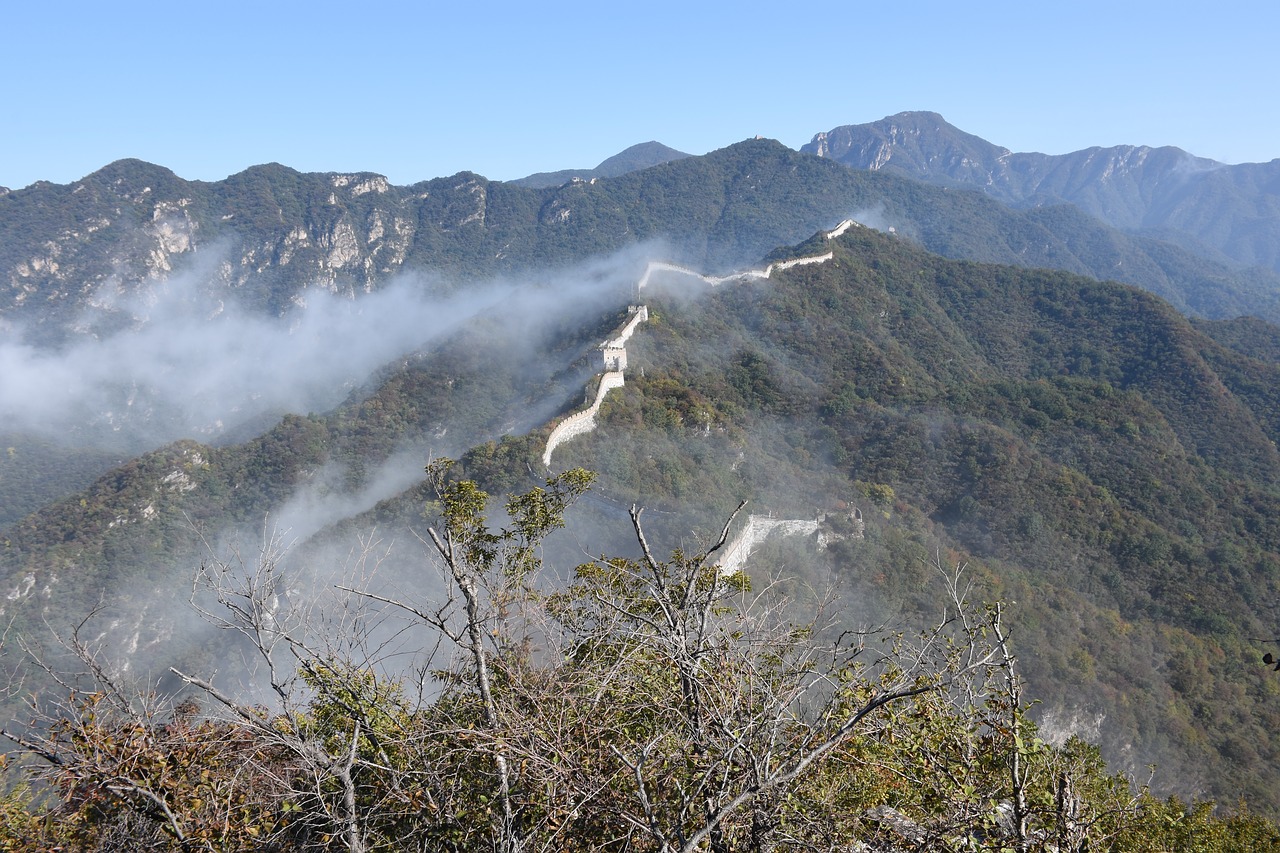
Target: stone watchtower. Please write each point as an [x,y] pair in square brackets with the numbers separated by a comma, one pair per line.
[614,357]
[613,352]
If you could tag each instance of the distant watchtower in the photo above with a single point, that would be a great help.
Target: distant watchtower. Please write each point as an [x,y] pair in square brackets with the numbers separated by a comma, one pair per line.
[613,352]
[614,357]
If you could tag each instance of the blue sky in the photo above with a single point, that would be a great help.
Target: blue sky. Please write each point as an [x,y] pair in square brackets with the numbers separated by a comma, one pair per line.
[421,90]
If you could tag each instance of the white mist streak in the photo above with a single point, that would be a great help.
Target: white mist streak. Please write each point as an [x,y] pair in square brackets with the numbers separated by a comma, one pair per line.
[194,366]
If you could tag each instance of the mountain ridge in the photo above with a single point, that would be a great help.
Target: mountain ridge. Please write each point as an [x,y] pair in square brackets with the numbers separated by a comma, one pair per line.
[1090,452]
[276,231]
[634,158]
[1232,211]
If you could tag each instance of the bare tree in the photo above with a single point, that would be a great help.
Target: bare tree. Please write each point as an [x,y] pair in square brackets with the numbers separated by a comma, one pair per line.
[730,701]
[347,681]
[648,705]
[138,768]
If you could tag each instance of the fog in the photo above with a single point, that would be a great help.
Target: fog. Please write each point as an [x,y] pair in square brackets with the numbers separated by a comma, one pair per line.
[876,217]
[180,360]
[185,359]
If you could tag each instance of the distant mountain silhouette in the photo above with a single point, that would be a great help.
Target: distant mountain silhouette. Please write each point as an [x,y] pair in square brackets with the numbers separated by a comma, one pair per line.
[637,157]
[1213,209]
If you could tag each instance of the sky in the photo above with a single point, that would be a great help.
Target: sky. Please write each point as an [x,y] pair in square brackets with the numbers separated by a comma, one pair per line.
[421,90]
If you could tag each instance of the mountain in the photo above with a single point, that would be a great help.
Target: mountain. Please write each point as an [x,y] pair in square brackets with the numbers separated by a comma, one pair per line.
[69,253]
[1100,463]
[1216,210]
[633,159]
[965,379]
[91,261]
[1046,428]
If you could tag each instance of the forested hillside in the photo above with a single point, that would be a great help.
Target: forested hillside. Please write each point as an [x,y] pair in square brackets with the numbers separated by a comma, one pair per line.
[930,396]
[1110,469]
[639,704]
[135,249]
[1103,466]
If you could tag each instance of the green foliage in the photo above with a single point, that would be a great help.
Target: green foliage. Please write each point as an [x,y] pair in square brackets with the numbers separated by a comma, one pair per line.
[500,466]
[1109,468]
[672,708]
[723,209]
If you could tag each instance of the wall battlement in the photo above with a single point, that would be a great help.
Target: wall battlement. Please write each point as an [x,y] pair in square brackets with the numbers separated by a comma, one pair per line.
[581,422]
[760,527]
[717,280]
[842,227]
[613,351]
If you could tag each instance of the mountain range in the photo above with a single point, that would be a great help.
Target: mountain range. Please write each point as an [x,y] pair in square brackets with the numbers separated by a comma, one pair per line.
[269,233]
[1217,210]
[968,374]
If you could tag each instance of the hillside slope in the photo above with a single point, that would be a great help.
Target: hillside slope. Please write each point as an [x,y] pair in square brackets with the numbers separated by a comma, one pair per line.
[640,156]
[1101,464]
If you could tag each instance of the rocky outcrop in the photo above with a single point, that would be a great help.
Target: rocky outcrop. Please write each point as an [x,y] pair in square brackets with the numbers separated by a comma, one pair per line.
[1192,201]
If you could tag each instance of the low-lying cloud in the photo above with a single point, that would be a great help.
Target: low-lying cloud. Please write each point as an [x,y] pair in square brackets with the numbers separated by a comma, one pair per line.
[189,362]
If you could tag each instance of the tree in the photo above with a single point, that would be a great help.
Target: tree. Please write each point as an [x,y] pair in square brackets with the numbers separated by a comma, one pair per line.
[136,770]
[729,703]
[647,705]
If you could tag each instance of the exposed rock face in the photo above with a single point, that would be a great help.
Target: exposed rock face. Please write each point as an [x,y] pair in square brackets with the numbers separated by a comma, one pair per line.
[173,230]
[1193,200]
[268,232]
[920,144]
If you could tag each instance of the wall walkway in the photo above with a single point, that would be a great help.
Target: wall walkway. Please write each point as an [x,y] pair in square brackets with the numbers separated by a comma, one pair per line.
[613,351]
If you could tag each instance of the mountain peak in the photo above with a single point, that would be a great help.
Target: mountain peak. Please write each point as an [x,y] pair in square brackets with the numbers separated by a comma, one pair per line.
[1127,186]
[132,170]
[640,156]
[919,144]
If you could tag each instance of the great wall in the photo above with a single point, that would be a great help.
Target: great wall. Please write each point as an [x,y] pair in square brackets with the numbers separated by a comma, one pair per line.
[760,527]
[613,361]
[613,358]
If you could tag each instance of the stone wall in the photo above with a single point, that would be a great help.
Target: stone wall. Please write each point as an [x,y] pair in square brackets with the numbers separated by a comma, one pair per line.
[717,280]
[613,352]
[841,228]
[581,422]
[757,529]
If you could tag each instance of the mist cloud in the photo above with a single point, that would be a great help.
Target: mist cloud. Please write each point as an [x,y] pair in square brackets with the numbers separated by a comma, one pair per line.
[876,217]
[183,360]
